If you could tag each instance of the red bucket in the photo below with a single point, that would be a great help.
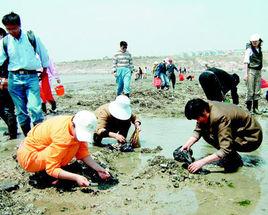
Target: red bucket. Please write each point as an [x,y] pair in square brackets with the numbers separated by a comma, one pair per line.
[264,83]
[181,77]
[59,90]
[157,82]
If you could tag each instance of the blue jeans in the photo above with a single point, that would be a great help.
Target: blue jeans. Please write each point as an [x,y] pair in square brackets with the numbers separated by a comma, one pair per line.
[25,93]
[123,78]
[164,80]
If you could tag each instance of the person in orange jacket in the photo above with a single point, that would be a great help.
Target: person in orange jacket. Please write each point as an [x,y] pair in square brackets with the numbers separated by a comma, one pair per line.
[53,143]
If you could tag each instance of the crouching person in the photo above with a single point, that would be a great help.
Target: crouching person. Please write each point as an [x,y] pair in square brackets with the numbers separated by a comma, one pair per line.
[53,143]
[114,120]
[226,127]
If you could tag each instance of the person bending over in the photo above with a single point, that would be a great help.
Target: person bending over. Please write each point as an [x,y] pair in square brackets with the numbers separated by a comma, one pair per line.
[53,143]
[216,83]
[114,120]
[226,127]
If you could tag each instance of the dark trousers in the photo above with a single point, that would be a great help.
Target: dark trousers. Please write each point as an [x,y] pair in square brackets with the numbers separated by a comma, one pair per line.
[7,112]
[172,78]
[117,126]
[211,86]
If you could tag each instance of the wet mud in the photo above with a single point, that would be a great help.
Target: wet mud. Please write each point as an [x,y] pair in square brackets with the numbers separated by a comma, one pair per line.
[146,181]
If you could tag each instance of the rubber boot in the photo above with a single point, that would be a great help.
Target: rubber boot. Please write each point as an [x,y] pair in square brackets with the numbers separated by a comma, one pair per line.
[10,119]
[25,128]
[53,105]
[232,162]
[255,108]
[249,105]
[12,129]
[44,107]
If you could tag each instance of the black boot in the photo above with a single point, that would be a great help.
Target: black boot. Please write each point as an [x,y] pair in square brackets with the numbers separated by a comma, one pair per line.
[231,162]
[249,105]
[53,105]
[97,140]
[12,129]
[11,121]
[25,128]
[44,107]
[255,107]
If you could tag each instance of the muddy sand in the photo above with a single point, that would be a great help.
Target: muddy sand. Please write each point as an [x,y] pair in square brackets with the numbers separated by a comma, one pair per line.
[150,181]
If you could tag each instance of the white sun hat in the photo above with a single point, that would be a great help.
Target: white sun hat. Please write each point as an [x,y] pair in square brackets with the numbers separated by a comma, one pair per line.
[255,37]
[85,123]
[120,108]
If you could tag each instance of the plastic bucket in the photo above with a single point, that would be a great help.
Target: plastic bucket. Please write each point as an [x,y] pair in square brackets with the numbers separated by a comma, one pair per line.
[157,82]
[264,83]
[181,77]
[59,90]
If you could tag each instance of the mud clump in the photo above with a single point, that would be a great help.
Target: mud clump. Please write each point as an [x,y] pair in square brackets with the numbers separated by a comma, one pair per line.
[178,175]
[154,150]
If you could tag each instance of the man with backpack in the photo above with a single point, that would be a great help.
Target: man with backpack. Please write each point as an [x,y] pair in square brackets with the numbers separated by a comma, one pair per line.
[20,49]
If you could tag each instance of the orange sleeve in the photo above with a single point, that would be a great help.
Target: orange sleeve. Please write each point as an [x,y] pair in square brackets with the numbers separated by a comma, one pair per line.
[82,151]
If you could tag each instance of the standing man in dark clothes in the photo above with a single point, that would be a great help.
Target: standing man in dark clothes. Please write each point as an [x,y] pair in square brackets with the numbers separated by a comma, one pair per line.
[170,72]
[25,61]
[7,108]
[216,83]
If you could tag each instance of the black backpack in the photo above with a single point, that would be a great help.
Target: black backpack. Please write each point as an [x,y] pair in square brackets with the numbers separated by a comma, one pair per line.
[4,67]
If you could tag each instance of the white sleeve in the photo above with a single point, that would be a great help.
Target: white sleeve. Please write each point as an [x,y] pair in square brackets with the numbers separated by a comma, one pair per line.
[247,55]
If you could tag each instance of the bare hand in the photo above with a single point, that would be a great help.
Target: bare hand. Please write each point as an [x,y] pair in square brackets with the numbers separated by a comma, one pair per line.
[120,138]
[245,78]
[104,174]
[82,181]
[185,147]
[195,166]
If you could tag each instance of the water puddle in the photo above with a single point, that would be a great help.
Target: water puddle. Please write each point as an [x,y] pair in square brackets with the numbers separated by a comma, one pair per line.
[246,191]
[249,185]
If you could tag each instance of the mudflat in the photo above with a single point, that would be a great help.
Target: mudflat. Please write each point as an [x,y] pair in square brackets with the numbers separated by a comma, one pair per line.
[150,181]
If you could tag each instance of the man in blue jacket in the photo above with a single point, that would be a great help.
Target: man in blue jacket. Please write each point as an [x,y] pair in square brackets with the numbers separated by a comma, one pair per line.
[161,73]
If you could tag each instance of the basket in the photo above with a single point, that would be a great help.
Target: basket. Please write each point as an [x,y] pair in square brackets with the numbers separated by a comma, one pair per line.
[135,139]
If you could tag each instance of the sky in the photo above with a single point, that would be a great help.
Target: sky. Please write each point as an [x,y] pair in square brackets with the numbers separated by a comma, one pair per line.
[93,29]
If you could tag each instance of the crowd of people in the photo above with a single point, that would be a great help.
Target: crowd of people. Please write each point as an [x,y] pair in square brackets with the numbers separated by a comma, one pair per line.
[51,144]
